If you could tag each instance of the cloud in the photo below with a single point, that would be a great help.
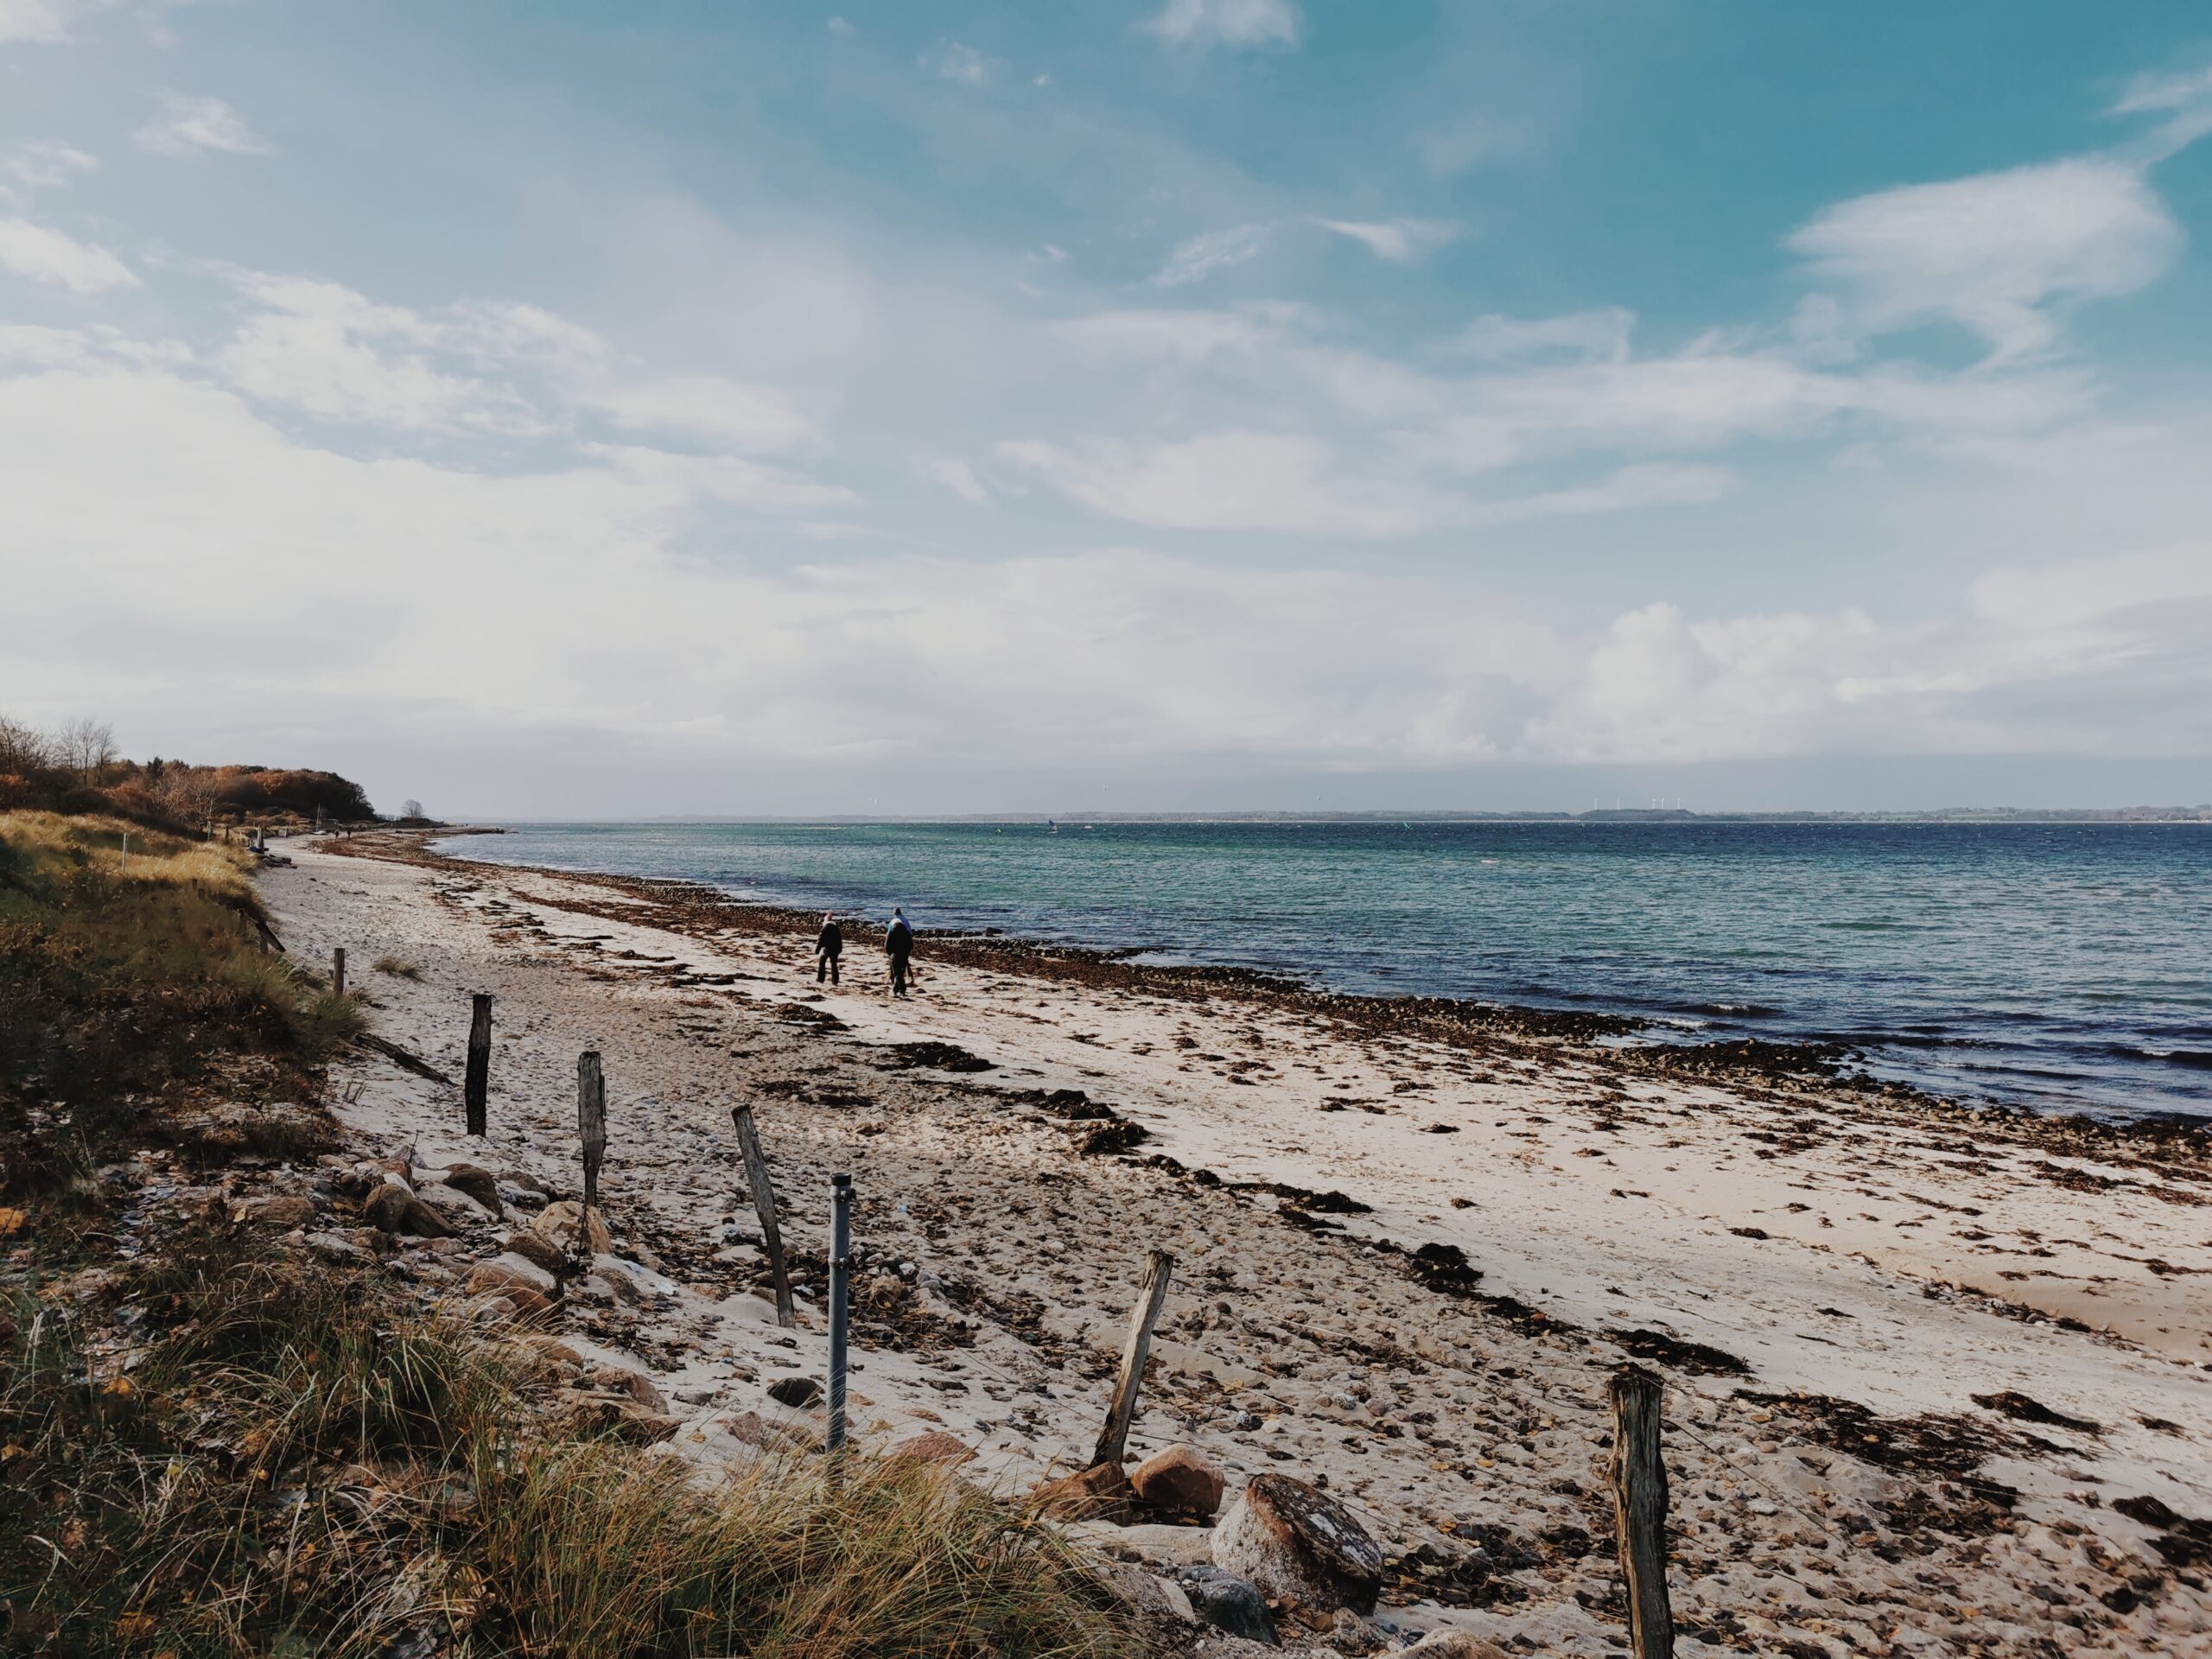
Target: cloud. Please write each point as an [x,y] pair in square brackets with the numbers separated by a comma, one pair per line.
[48,256]
[1600,333]
[40,164]
[2186,101]
[1227,22]
[47,21]
[1399,240]
[839,28]
[965,64]
[1994,252]
[189,126]
[958,477]
[1212,250]
[713,407]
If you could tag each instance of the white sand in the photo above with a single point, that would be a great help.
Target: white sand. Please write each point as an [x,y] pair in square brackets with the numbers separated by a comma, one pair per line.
[1898,1260]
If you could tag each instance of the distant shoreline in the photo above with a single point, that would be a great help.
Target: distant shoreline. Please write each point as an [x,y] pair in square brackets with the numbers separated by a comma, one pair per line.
[1077,820]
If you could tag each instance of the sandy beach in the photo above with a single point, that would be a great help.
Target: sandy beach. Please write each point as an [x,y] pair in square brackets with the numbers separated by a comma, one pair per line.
[1924,1362]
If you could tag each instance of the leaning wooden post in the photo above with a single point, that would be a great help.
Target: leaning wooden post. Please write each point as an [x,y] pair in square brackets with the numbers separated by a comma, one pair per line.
[764,1206]
[337,974]
[591,1123]
[477,1083]
[1639,1478]
[841,1279]
[1114,1438]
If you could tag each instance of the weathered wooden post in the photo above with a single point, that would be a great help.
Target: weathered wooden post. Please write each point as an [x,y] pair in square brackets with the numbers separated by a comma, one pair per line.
[476,1084]
[337,974]
[1639,1478]
[591,1122]
[841,1271]
[1114,1438]
[764,1206]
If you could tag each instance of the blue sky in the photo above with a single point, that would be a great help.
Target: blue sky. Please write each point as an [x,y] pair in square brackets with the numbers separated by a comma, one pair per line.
[543,408]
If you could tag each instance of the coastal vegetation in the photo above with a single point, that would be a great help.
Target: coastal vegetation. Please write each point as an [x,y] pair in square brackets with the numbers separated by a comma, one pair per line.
[220,1433]
[76,769]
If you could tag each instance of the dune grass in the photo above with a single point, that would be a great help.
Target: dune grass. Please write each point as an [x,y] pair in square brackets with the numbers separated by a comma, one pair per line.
[296,1463]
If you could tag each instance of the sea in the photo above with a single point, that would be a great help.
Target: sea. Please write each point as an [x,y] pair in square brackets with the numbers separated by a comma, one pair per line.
[2057,967]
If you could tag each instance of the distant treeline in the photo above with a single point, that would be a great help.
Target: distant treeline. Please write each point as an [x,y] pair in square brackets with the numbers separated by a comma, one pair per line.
[76,769]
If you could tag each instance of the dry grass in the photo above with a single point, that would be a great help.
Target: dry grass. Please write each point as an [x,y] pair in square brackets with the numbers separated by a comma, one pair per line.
[397,968]
[298,1465]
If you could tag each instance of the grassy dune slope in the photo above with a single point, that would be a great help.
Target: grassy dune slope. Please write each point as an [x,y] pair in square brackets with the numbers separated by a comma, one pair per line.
[214,1440]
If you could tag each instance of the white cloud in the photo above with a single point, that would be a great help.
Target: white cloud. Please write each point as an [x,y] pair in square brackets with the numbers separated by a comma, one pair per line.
[40,164]
[1399,240]
[48,256]
[47,21]
[839,28]
[713,407]
[1212,250]
[958,477]
[1227,22]
[1994,253]
[2185,99]
[965,64]
[189,126]
[1601,333]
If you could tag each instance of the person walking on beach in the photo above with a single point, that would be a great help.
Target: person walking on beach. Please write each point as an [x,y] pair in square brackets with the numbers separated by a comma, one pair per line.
[898,946]
[829,945]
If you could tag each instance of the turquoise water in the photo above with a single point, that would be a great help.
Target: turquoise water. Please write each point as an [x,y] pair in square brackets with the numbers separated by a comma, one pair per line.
[2066,967]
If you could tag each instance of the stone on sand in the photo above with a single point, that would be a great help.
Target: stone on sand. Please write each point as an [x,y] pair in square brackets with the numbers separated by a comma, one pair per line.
[534,1247]
[1457,1644]
[933,1446]
[479,1183]
[1298,1545]
[1228,1603]
[560,1221]
[1181,1480]
[394,1208]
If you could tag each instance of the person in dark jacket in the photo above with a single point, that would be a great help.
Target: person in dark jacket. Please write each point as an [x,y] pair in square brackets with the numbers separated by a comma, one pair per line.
[829,945]
[898,946]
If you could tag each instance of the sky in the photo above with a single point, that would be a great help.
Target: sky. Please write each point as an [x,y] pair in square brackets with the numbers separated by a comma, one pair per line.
[550,409]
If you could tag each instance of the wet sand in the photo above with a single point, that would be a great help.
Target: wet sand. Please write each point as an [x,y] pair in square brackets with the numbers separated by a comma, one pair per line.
[1924,1362]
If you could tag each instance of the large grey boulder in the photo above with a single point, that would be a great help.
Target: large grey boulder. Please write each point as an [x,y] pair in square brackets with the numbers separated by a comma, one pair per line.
[1228,1603]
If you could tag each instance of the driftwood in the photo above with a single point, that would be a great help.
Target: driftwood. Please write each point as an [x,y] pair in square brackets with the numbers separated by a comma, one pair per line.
[402,1058]
[1114,1438]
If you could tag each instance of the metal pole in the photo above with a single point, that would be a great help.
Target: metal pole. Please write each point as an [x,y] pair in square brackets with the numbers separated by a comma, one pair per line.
[841,1266]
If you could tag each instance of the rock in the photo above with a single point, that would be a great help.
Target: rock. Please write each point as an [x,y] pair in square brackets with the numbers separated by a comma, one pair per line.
[519,1268]
[478,1182]
[797,1392]
[1457,1644]
[1181,1480]
[613,1412]
[636,1384]
[1352,1634]
[1158,1545]
[1228,1603]
[620,1283]
[1299,1545]
[280,1212]
[1145,1594]
[1102,1493]
[538,1250]
[560,1223]
[393,1208]
[755,1430]
[932,1446]
[455,1205]
[516,1285]
[337,1248]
